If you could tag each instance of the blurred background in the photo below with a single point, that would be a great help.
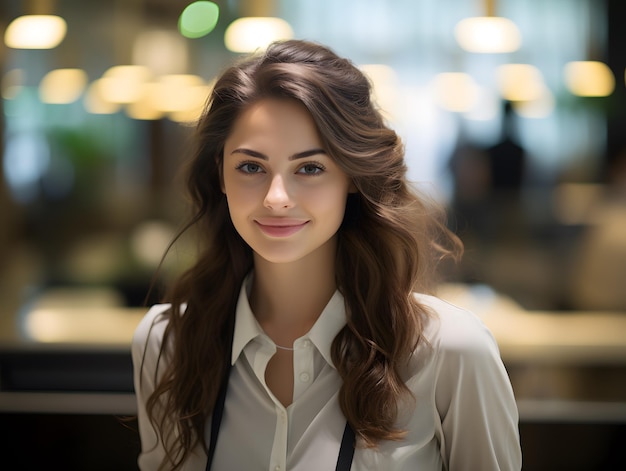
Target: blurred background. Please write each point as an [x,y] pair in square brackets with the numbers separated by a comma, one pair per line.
[513,113]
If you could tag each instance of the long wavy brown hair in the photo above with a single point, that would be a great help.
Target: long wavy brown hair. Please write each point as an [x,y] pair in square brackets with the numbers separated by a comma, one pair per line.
[387,245]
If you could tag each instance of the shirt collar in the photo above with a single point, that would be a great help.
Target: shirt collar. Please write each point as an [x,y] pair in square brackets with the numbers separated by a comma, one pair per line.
[331,321]
[328,325]
[246,326]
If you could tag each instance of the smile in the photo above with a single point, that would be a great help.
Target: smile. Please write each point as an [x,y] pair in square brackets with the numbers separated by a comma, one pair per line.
[280,228]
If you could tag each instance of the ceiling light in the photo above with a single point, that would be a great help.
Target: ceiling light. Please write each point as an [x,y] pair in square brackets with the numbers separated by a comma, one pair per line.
[180,93]
[96,103]
[520,82]
[62,86]
[35,32]
[254,33]
[122,83]
[537,108]
[589,78]
[142,109]
[488,34]
[198,96]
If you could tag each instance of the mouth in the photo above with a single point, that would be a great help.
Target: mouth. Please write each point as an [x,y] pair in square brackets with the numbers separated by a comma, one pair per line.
[280,228]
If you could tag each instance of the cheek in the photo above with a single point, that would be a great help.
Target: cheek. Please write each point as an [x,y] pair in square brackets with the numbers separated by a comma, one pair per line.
[237,202]
[333,202]
[241,200]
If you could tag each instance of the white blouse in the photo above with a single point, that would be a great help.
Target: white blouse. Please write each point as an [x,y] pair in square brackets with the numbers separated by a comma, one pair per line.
[464,416]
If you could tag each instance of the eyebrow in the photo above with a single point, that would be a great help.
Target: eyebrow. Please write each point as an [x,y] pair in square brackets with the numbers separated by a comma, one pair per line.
[259,155]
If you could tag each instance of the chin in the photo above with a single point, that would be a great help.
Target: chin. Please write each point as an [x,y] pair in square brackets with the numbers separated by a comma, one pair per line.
[280,258]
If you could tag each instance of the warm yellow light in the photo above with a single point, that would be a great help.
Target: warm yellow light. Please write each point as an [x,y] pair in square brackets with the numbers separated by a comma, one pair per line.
[189,117]
[520,82]
[122,83]
[254,33]
[162,51]
[84,325]
[488,34]
[143,108]
[179,92]
[456,91]
[35,32]
[62,86]
[96,103]
[540,107]
[589,78]
[12,83]
[194,112]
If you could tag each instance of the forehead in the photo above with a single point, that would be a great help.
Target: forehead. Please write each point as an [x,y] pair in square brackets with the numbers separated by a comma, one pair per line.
[270,119]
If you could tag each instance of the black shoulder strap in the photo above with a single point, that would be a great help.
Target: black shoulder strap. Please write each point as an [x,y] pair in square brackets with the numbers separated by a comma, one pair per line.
[346,451]
[218,409]
[216,418]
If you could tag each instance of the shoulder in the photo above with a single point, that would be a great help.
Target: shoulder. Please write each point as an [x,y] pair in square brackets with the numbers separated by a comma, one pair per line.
[463,352]
[149,332]
[450,328]
[472,396]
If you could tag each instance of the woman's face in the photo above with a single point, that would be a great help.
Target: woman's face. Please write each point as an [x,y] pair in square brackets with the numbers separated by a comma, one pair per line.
[285,195]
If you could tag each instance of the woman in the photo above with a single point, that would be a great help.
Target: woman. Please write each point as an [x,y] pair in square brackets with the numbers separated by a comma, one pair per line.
[298,340]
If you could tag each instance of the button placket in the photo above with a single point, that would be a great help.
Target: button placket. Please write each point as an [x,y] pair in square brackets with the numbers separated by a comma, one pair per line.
[279,450]
[303,367]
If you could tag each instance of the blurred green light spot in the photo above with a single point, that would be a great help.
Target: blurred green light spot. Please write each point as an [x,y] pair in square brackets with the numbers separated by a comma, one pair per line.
[198,19]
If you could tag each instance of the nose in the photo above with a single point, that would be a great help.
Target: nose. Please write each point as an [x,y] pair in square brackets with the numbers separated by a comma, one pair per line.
[277,196]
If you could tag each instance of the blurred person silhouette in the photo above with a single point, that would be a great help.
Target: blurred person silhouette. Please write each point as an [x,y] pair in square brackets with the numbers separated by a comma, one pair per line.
[302,337]
[507,158]
[507,170]
[486,207]
[468,214]
[471,175]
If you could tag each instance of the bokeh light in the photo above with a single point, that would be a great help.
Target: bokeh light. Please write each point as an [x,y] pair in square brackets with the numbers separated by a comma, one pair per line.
[488,35]
[35,32]
[255,33]
[589,78]
[198,19]
[62,86]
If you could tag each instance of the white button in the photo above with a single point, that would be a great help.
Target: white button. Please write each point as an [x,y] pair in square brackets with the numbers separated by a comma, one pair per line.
[305,377]
[277,468]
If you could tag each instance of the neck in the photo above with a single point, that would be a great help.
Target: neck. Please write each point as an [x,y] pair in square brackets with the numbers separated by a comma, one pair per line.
[288,298]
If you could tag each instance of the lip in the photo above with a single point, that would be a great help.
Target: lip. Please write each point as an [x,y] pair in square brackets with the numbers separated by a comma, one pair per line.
[280,227]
